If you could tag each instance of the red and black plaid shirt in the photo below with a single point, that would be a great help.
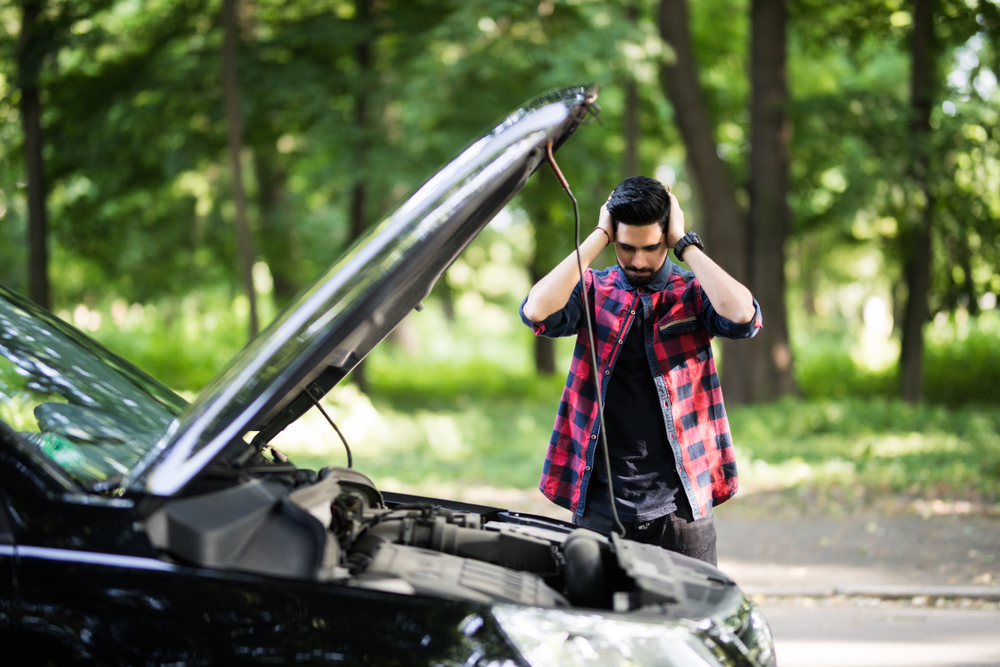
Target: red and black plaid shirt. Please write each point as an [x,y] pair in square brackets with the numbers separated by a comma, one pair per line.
[683,325]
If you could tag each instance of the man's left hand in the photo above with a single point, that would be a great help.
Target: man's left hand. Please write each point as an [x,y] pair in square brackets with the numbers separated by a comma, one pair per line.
[675,223]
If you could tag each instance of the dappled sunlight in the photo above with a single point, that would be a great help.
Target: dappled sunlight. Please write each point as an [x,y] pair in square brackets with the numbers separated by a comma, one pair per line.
[375,435]
[760,475]
[370,433]
[183,342]
[876,349]
[892,446]
[443,435]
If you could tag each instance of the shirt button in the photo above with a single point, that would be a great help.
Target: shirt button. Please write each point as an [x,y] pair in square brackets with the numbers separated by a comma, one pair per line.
[633,312]
[588,467]
[593,437]
[619,341]
[608,372]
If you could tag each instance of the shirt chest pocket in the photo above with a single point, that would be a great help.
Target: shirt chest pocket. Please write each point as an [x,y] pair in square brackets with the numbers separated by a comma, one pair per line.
[676,347]
[670,326]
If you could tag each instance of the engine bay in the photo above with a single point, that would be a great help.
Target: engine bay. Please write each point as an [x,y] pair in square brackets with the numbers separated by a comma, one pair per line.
[339,528]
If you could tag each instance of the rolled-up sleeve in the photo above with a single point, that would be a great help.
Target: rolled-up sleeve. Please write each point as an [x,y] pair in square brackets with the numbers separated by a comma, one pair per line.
[563,322]
[717,325]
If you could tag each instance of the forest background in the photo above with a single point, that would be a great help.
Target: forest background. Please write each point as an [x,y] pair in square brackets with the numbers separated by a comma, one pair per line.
[172,172]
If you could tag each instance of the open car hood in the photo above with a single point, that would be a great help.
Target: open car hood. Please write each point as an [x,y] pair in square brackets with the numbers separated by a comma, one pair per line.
[335,322]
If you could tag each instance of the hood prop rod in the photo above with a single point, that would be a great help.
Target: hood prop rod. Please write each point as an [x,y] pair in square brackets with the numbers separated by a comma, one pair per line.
[350,459]
[590,331]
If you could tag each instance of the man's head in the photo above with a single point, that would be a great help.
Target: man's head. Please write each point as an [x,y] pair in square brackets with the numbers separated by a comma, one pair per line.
[640,209]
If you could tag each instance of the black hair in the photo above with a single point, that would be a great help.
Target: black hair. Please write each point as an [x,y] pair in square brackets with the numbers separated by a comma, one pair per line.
[639,200]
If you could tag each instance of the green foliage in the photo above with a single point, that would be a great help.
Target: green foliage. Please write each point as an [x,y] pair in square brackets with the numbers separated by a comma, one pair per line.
[961,366]
[827,371]
[183,342]
[962,361]
[139,180]
[882,444]
[437,386]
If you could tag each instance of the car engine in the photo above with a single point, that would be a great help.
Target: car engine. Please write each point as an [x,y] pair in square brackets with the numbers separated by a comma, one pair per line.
[339,528]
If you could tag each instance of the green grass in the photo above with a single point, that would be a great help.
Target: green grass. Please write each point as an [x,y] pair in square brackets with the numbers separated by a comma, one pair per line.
[882,445]
[440,412]
[476,425]
[961,366]
[481,424]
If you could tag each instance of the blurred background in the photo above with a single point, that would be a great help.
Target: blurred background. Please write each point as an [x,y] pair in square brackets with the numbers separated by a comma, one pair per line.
[173,172]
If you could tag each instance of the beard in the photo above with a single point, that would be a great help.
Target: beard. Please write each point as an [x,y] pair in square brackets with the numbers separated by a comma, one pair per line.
[638,277]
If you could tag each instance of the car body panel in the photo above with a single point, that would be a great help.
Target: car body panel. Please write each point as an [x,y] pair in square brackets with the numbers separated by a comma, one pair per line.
[6,572]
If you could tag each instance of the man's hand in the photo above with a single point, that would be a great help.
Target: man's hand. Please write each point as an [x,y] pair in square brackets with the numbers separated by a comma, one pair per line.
[604,223]
[553,291]
[675,224]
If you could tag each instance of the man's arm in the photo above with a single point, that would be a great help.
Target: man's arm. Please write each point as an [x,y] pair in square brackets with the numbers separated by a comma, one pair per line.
[551,293]
[729,297]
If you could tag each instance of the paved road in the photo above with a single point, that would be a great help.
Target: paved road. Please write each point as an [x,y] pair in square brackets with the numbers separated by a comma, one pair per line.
[771,557]
[865,549]
[848,635]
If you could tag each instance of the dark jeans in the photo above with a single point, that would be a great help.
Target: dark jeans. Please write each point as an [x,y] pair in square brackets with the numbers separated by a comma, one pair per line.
[673,532]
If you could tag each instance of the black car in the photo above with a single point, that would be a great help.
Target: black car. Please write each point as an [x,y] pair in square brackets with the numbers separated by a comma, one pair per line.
[139,529]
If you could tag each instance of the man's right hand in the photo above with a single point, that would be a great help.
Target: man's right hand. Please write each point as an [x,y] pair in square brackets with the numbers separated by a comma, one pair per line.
[552,292]
[604,222]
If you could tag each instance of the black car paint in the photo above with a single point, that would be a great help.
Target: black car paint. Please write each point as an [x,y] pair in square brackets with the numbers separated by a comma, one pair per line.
[92,589]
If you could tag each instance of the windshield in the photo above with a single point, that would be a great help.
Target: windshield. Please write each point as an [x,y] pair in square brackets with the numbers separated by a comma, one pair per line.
[89,412]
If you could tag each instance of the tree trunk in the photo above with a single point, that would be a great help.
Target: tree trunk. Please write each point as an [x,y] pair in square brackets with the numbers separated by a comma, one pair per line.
[278,242]
[769,354]
[631,112]
[234,125]
[363,54]
[29,66]
[965,261]
[631,122]
[725,235]
[919,252]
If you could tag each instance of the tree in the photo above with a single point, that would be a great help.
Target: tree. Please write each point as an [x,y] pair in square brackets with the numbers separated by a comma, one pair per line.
[31,53]
[234,124]
[769,356]
[631,119]
[725,230]
[917,267]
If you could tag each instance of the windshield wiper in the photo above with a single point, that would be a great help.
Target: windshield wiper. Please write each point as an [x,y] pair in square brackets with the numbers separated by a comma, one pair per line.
[111,484]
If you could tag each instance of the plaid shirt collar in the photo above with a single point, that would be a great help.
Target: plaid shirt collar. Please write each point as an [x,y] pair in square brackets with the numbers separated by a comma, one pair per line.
[658,283]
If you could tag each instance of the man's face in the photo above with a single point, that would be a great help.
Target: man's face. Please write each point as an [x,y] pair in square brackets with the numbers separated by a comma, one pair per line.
[641,251]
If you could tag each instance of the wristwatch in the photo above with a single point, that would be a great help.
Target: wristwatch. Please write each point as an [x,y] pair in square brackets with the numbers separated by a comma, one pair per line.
[688,239]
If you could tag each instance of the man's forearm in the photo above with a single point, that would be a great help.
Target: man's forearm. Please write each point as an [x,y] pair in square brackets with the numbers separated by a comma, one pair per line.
[551,293]
[729,297]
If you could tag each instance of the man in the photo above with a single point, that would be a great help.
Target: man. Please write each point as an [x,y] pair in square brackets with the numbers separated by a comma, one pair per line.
[671,453]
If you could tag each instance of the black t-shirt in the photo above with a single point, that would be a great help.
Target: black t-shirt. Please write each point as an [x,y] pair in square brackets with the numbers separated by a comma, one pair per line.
[642,464]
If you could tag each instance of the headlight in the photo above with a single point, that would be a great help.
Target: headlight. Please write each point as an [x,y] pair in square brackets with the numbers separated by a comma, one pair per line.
[554,638]
[748,624]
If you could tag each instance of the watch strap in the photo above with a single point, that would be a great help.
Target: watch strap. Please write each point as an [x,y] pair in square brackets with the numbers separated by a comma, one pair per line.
[688,239]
